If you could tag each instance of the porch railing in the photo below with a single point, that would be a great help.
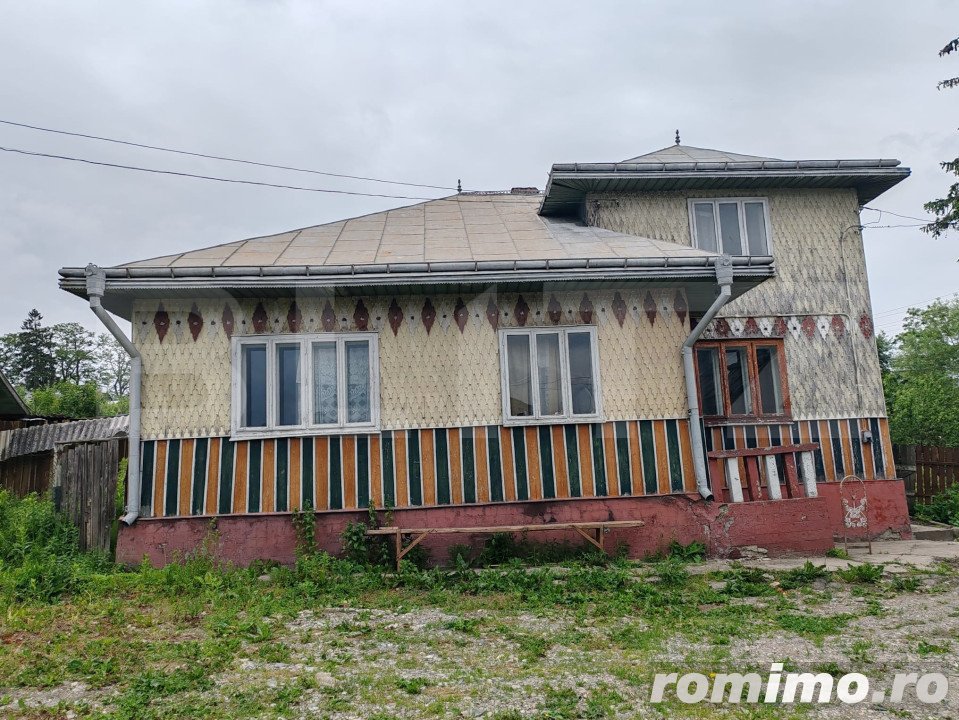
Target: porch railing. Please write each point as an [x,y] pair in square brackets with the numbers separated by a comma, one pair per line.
[798,465]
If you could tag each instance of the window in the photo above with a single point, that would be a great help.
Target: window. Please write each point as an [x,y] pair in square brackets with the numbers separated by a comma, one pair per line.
[742,379]
[550,375]
[731,226]
[305,384]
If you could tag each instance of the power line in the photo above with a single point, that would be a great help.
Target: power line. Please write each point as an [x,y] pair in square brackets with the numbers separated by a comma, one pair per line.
[902,309]
[220,157]
[207,177]
[925,221]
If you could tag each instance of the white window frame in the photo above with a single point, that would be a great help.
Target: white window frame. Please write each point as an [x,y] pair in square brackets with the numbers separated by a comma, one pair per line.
[567,417]
[306,427]
[741,210]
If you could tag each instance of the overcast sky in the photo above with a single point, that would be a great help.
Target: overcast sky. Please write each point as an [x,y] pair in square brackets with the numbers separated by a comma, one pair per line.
[490,92]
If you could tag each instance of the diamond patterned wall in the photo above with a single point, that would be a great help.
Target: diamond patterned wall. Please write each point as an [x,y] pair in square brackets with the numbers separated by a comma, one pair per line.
[439,354]
[821,273]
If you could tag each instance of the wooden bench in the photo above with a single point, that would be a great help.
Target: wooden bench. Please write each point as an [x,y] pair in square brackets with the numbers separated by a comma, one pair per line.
[594,532]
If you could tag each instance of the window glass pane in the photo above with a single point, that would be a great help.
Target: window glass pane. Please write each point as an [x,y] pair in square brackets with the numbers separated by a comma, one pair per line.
[709,387]
[518,375]
[549,374]
[288,384]
[358,381]
[705,226]
[254,385]
[770,390]
[581,373]
[737,374]
[325,401]
[729,228]
[756,228]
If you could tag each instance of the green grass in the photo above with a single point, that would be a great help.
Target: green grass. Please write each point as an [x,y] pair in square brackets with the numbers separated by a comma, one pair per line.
[158,639]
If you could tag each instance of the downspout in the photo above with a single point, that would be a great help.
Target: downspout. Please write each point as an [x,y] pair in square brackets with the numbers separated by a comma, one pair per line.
[724,277]
[96,286]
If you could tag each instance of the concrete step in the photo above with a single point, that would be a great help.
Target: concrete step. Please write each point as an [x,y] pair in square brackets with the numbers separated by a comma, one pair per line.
[934,532]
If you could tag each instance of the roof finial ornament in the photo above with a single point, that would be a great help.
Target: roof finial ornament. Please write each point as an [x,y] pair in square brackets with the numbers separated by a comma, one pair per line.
[677,137]
[459,186]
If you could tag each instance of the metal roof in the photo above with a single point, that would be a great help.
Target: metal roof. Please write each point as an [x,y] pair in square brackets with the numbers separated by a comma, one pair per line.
[686,168]
[42,438]
[463,239]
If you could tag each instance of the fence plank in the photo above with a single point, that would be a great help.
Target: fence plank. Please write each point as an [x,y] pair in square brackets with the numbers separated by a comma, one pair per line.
[926,469]
[86,483]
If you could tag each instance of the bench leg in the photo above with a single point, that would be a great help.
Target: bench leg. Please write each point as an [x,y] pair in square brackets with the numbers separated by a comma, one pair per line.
[403,550]
[597,541]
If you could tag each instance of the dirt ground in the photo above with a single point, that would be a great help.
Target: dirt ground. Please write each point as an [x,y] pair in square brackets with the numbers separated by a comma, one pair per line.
[484,659]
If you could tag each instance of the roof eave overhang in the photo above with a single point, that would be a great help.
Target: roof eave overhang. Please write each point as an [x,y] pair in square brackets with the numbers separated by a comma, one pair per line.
[568,185]
[124,285]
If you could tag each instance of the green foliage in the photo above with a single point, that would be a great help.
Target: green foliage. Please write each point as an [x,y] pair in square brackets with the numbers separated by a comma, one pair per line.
[866,573]
[921,387]
[943,507]
[304,525]
[68,399]
[946,209]
[39,554]
[42,358]
[694,552]
[742,581]
[837,552]
[502,548]
[802,576]
[460,555]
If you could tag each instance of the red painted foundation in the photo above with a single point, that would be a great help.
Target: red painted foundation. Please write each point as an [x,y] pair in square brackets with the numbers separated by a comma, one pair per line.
[802,525]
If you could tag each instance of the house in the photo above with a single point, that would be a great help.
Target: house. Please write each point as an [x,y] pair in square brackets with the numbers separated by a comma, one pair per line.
[12,408]
[683,338]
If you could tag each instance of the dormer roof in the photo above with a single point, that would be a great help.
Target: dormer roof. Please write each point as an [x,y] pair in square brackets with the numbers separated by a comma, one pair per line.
[684,167]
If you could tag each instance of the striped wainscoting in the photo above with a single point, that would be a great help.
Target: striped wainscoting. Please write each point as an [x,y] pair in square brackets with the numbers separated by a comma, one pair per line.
[408,468]
[841,449]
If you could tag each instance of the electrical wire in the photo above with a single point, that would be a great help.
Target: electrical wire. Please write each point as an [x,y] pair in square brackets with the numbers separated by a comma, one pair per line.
[220,157]
[904,308]
[890,212]
[207,177]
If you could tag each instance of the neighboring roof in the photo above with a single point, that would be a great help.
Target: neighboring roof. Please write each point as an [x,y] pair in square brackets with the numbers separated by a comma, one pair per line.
[682,167]
[42,438]
[463,238]
[11,404]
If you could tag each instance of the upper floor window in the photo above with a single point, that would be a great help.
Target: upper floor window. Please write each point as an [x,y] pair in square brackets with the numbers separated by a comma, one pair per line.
[550,375]
[734,226]
[299,384]
[742,379]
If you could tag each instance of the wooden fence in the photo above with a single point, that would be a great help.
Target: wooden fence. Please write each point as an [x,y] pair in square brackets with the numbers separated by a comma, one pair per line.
[927,470]
[27,474]
[85,485]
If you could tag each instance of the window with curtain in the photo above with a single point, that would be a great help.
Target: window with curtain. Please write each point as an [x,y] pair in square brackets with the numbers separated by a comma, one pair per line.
[305,384]
[550,374]
[734,226]
[742,379]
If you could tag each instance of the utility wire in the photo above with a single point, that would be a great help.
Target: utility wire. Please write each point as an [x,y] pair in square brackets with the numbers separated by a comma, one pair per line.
[207,177]
[473,197]
[902,309]
[925,221]
[221,157]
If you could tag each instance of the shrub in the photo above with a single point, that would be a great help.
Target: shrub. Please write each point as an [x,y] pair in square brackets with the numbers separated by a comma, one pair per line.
[40,558]
[798,577]
[943,507]
[694,552]
[866,573]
